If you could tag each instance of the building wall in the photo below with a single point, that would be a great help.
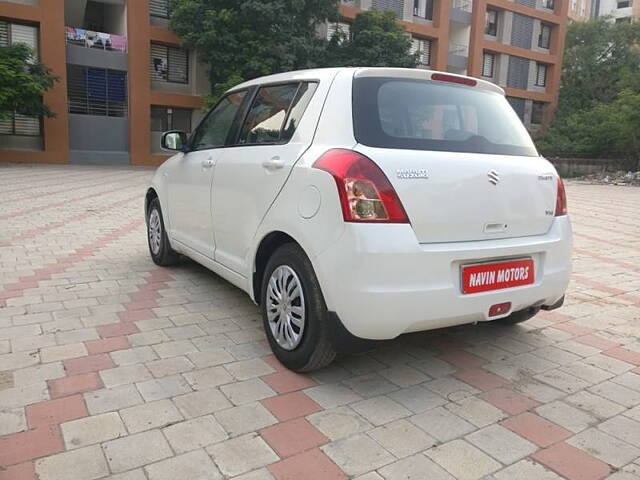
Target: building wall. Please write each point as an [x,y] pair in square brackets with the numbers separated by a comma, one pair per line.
[459,41]
[97,139]
[456,33]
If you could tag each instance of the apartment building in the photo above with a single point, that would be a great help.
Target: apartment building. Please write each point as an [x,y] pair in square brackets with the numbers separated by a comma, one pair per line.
[617,10]
[123,80]
[124,77]
[581,10]
[515,44]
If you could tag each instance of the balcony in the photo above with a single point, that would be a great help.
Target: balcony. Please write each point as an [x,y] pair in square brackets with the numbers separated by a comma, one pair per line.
[96,49]
[458,55]
[98,40]
[461,11]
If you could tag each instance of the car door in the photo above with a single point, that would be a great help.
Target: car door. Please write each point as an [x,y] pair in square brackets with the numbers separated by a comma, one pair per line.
[190,181]
[250,175]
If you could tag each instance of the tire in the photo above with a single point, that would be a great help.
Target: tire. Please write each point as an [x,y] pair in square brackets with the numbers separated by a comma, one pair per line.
[159,247]
[520,316]
[305,345]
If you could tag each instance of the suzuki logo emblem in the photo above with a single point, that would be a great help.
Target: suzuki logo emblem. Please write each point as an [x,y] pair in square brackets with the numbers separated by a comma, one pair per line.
[494,177]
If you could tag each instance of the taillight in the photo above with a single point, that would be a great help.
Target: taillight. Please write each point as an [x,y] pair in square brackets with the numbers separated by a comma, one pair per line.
[561,199]
[366,195]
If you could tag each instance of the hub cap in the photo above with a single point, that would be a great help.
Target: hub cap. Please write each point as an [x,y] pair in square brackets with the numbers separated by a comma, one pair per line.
[285,307]
[155,231]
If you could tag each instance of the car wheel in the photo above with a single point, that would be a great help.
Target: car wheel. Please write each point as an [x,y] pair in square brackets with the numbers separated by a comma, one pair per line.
[294,313]
[161,252]
[520,316]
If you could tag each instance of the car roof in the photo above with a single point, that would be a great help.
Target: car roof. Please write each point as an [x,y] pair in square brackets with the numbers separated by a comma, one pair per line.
[359,72]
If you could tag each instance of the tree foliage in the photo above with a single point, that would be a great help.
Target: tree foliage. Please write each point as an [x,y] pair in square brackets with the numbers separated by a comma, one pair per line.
[23,82]
[376,40]
[245,39]
[599,106]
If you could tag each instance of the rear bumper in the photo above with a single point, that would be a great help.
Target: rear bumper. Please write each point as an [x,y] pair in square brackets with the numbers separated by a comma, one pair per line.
[382,283]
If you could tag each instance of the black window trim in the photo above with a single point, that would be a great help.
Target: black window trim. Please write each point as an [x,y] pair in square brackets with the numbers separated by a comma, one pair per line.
[243,112]
[250,92]
[248,109]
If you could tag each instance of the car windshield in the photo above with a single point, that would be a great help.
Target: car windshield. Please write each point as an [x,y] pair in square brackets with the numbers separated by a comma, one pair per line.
[426,115]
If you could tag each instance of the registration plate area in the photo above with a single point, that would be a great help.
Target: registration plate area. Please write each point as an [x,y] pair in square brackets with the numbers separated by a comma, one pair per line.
[490,276]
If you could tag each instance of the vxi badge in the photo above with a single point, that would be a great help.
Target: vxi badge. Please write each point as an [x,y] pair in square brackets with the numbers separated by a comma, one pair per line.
[412,173]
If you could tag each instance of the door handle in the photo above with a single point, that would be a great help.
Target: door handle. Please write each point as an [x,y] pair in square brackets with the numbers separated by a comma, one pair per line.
[273,164]
[208,163]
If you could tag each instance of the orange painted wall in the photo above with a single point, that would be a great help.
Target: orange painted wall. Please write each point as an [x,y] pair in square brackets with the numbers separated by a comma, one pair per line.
[49,15]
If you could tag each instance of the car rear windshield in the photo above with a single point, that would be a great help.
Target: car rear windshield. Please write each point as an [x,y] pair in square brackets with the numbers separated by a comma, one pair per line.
[425,115]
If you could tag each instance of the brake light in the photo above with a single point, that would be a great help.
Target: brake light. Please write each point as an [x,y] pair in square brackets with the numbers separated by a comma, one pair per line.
[561,199]
[366,195]
[443,77]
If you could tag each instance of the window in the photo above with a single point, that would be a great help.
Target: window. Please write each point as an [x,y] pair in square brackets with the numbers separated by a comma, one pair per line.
[623,20]
[158,8]
[423,9]
[550,4]
[342,29]
[268,114]
[20,125]
[544,39]
[624,4]
[491,27]
[10,34]
[574,5]
[541,75]
[423,49]
[537,112]
[97,91]
[169,118]
[488,62]
[169,64]
[438,116]
[215,128]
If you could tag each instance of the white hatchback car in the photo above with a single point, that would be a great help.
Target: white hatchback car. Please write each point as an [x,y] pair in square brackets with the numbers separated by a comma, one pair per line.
[364,203]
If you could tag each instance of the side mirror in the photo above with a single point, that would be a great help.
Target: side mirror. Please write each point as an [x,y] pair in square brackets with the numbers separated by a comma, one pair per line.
[174,140]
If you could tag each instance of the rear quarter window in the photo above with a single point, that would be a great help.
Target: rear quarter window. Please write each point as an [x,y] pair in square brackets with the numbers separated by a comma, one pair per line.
[425,115]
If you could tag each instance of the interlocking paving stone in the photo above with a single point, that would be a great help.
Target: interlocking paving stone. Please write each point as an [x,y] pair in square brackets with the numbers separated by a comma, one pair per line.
[196,465]
[462,460]
[86,463]
[94,429]
[358,454]
[136,450]
[182,338]
[242,454]
[193,434]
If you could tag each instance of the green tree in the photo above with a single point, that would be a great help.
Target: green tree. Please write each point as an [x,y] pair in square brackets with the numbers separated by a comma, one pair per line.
[599,105]
[23,81]
[600,59]
[376,40]
[245,39]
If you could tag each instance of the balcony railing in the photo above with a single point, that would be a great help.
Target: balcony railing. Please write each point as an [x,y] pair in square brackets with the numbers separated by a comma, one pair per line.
[464,5]
[99,40]
[459,49]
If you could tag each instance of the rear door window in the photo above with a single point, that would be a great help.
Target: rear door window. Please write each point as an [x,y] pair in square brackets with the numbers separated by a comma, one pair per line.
[276,113]
[426,115]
